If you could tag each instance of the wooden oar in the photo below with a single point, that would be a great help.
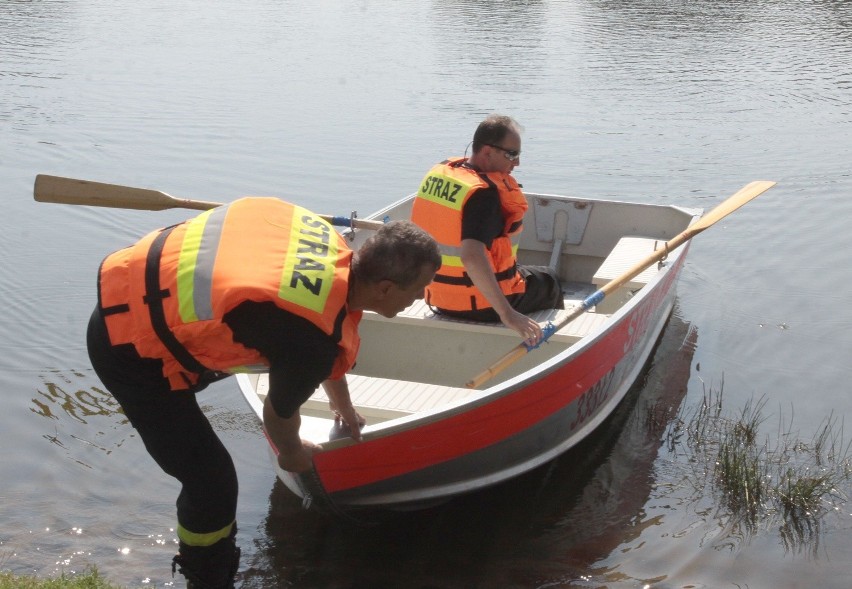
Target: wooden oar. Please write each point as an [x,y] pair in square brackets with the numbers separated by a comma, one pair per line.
[741,197]
[98,194]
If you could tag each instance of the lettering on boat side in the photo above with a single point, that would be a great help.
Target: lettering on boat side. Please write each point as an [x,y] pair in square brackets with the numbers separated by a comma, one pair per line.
[590,401]
[638,325]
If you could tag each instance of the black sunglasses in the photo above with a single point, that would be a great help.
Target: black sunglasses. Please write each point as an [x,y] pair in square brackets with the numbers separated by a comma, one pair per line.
[512,155]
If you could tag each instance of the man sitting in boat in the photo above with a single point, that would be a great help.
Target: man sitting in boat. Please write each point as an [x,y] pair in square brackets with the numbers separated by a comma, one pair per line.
[256,285]
[474,208]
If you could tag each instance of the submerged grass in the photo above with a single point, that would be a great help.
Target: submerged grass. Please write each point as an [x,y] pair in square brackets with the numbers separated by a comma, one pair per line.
[742,468]
[90,579]
[761,480]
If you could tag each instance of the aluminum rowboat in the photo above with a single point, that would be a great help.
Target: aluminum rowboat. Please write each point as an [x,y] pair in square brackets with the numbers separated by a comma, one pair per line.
[429,437]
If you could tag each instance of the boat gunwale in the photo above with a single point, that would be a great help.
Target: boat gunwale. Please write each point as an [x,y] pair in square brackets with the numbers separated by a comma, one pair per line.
[693,212]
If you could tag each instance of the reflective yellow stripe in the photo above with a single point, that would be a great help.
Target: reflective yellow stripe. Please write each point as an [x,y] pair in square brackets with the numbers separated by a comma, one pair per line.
[186,267]
[195,265]
[308,272]
[248,369]
[208,539]
[454,261]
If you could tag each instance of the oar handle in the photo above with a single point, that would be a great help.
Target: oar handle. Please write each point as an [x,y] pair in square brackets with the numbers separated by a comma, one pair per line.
[352,222]
[499,366]
[522,349]
[732,203]
[71,191]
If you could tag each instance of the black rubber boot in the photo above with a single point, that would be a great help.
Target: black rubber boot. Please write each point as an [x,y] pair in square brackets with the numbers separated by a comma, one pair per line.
[208,567]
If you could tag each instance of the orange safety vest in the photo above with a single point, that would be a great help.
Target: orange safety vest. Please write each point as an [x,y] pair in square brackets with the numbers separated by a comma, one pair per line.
[167,295]
[438,210]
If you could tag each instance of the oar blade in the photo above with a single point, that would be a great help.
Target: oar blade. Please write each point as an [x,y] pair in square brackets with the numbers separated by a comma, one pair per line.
[72,191]
[744,195]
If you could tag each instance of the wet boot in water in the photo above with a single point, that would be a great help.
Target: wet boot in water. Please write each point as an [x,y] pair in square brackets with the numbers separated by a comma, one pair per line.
[208,567]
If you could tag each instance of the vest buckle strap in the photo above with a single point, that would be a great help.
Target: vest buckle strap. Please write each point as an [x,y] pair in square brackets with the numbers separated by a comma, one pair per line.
[465,280]
[507,273]
[453,280]
[114,310]
[159,295]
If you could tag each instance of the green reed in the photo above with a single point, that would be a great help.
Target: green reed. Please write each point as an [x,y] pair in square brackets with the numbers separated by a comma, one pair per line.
[761,478]
[90,579]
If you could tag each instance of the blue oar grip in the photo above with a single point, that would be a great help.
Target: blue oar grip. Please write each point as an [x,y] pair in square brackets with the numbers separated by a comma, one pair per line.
[593,299]
[341,221]
[347,221]
[549,329]
[546,331]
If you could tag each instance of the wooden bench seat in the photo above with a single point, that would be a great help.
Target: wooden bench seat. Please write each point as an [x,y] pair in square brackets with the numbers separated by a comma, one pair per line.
[627,253]
[380,399]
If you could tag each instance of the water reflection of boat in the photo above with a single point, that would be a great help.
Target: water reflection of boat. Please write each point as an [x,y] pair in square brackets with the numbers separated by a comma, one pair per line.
[429,437]
[604,511]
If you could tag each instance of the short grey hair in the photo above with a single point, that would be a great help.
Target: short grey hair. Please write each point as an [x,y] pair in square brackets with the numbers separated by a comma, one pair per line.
[493,130]
[398,251]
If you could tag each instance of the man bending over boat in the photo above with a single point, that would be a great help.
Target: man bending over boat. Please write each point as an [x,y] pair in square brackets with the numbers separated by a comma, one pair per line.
[474,208]
[256,285]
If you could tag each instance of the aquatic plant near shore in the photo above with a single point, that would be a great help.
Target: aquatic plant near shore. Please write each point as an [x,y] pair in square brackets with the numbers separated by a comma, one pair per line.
[760,480]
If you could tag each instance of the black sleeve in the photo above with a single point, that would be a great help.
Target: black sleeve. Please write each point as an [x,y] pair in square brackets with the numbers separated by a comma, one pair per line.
[300,355]
[482,218]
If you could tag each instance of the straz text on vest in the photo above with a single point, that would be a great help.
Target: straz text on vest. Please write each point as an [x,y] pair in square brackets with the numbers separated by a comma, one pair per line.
[438,187]
[312,255]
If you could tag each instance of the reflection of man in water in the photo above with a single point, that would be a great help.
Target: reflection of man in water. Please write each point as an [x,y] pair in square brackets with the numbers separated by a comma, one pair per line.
[257,284]
[474,208]
[79,404]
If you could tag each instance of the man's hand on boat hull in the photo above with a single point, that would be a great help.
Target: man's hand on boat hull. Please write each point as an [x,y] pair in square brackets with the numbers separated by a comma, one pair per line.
[298,459]
[294,454]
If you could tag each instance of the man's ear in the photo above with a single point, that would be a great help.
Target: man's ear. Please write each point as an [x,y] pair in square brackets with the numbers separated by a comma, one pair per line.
[384,286]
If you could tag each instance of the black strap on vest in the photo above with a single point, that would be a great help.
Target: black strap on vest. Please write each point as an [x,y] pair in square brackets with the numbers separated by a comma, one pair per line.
[337,334]
[154,299]
[465,280]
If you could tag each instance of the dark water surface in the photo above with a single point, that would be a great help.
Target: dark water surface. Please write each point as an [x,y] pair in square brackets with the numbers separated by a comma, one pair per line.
[344,105]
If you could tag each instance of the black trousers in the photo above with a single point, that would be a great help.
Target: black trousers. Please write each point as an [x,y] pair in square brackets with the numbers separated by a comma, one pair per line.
[543,291]
[173,428]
